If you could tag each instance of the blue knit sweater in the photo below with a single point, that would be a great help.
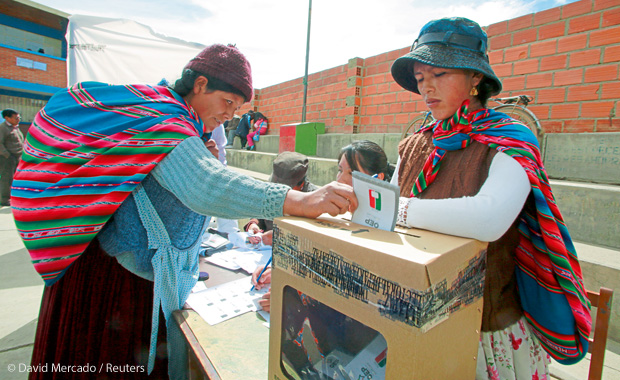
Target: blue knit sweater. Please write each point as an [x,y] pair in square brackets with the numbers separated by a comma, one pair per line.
[186,187]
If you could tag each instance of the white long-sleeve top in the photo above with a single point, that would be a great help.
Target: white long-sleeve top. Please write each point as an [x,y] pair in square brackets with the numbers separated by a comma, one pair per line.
[485,216]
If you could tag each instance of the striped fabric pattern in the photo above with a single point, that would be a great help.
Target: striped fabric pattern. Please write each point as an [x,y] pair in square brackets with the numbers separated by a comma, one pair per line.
[85,153]
[548,272]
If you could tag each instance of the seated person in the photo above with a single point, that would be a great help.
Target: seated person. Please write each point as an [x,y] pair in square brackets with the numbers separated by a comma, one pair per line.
[258,128]
[231,127]
[289,168]
[243,128]
[363,156]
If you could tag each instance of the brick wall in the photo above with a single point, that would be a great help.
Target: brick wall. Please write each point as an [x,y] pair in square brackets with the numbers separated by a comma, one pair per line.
[567,58]
[55,75]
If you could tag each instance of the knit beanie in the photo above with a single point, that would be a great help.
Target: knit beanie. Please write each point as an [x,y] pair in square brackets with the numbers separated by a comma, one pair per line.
[227,64]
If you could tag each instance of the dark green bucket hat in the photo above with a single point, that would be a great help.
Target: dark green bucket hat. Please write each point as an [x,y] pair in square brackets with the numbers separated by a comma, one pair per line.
[453,43]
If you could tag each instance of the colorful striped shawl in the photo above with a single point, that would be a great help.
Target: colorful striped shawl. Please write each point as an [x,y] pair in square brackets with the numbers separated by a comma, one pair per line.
[548,273]
[85,153]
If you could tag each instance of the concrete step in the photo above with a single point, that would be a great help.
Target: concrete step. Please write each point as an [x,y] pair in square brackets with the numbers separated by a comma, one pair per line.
[579,371]
[590,211]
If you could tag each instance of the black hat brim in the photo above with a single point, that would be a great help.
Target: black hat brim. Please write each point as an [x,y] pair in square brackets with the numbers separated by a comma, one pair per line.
[439,55]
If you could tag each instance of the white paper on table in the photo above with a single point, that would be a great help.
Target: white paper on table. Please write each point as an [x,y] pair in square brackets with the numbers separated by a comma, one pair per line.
[199,287]
[213,241]
[238,258]
[240,240]
[377,202]
[250,260]
[220,303]
[224,259]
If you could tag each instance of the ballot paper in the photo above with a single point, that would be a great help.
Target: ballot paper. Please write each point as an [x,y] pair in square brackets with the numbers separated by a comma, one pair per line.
[213,241]
[377,202]
[240,258]
[220,303]
[241,240]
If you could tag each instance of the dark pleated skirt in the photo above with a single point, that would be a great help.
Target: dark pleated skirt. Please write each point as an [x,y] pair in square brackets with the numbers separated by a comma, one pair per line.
[98,315]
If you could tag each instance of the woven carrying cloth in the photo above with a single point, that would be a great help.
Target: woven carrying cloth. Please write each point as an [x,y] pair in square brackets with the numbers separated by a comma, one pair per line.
[85,153]
[548,273]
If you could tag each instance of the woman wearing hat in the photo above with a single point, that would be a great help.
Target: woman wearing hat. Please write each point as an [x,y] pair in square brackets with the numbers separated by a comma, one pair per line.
[111,198]
[478,173]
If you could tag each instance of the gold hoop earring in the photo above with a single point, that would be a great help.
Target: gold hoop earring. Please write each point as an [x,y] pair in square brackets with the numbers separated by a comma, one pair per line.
[473,91]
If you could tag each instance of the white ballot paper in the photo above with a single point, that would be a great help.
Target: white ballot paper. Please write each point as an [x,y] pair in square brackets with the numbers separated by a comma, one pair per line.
[378,202]
[220,303]
[241,258]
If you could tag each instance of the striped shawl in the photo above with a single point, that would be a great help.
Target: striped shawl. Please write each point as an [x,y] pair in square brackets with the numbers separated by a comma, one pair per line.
[85,153]
[548,273]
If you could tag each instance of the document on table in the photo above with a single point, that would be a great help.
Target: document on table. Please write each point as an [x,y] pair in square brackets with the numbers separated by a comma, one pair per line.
[220,303]
[239,258]
[378,202]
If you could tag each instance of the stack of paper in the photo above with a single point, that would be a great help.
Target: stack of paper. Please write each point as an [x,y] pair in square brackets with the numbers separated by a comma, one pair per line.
[222,302]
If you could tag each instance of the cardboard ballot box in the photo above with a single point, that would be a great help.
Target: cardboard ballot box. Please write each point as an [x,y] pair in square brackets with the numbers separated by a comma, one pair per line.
[351,302]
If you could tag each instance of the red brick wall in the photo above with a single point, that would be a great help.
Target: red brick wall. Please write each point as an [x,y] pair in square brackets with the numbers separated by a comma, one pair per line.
[567,58]
[55,75]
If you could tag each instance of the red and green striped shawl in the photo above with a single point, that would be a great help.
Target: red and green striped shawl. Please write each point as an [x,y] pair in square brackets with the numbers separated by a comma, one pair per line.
[85,153]
[548,274]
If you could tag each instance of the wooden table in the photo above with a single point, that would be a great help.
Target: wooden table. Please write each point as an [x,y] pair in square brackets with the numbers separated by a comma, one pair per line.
[235,349]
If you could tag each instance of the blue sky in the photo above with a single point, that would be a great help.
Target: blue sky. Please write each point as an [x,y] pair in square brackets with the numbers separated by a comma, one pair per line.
[272,33]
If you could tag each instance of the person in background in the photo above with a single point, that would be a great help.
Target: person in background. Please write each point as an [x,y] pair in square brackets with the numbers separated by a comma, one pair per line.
[219,136]
[243,128]
[364,156]
[477,173]
[289,168]
[11,146]
[258,128]
[104,248]
[231,127]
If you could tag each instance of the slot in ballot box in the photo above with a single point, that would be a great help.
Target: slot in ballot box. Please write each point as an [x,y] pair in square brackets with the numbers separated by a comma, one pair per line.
[349,302]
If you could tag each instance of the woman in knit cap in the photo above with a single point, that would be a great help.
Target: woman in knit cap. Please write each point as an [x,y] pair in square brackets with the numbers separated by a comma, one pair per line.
[478,173]
[111,198]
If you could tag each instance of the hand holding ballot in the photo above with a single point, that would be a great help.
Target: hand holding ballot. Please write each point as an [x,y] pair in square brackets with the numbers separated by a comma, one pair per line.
[334,199]
[378,202]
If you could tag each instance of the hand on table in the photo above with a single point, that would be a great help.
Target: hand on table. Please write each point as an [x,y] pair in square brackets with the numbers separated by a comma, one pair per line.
[266,237]
[264,281]
[265,301]
[254,229]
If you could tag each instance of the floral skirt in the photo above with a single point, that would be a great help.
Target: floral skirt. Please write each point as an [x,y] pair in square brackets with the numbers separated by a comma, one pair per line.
[513,353]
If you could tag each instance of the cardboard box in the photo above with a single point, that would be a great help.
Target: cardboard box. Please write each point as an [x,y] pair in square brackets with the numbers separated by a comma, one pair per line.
[342,293]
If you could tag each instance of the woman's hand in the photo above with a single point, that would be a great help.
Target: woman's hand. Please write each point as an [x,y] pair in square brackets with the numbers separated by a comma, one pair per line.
[254,239]
[264,280]
[254,229]
[334,198]
[267,238]
[265,301]
[212,147]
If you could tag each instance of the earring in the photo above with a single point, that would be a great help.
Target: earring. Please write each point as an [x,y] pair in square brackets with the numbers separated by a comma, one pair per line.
[473,92]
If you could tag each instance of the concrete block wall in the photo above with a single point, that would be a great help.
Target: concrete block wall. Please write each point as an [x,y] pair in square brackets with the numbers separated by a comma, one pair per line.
[329,145]
[587,157]
[567,58]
